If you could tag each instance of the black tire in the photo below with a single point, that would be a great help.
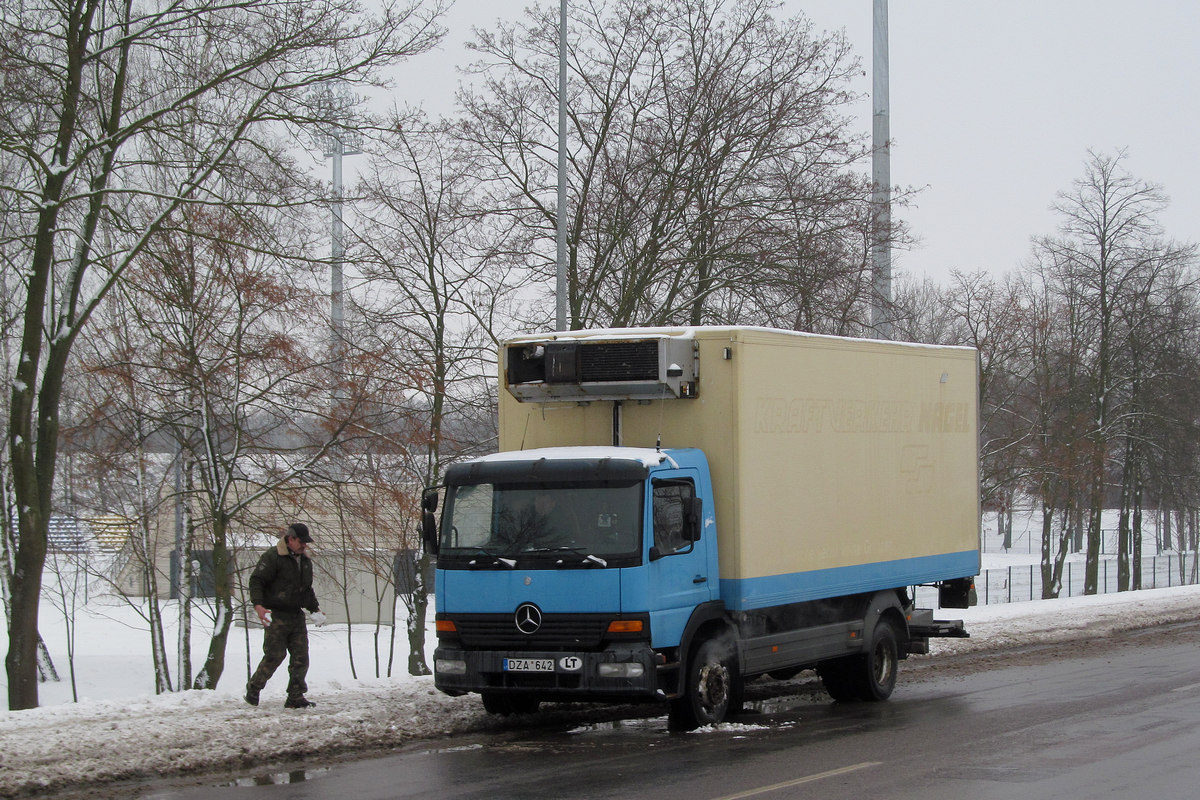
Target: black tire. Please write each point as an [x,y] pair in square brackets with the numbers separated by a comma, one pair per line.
[712,690]
[869,676]
[838,676]
[496,704]
[506,704]
[523,705]
[876,675]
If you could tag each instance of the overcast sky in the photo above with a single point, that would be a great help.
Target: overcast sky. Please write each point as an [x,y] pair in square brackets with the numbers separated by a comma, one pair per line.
[994,107]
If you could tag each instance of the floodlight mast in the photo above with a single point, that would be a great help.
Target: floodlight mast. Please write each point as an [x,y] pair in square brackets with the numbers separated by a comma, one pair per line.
[881,178]
[560,284]
[334,106]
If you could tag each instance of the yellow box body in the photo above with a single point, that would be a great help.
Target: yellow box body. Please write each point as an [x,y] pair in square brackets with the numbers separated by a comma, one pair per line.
[826,453]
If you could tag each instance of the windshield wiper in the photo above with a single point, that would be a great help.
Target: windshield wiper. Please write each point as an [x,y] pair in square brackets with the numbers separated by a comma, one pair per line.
[492,554]
[511,563]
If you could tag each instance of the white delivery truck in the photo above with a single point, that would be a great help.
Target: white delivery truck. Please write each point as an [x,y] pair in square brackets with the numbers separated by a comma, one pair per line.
[674,510]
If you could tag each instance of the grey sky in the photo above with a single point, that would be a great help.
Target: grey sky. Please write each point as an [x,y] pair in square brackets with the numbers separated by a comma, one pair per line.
[994,106]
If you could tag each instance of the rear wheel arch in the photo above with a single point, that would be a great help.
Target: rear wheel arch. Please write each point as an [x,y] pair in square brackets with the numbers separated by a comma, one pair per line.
[887,606]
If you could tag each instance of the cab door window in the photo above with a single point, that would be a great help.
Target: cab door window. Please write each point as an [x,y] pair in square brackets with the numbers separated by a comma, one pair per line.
[673,504]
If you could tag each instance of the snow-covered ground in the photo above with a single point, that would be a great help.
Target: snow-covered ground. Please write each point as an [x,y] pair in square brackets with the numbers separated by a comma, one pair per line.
[119,729]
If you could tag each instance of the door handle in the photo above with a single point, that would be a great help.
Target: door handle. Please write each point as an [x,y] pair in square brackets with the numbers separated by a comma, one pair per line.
[700,579]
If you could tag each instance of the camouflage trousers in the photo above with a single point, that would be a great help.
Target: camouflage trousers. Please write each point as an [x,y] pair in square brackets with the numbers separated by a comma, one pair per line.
[286,635]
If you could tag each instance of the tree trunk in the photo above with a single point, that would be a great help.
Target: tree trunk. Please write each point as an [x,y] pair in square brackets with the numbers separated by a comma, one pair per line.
[1124,533]
[1136,544]
[1165,534]
[21,662]
[1005,520]
[1091,573]
[418,609]
[1049,586]
[146,553]
[185,530]
[214,663]
[47,673]
[392,634]
[1195,555]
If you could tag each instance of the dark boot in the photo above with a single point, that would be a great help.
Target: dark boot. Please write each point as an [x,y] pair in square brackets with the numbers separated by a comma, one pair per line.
[299,701]
[251,695]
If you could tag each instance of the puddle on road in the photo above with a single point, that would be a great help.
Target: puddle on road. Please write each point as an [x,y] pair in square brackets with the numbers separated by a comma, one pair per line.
[782,703]
[279,778]
[754,717]
[636,725]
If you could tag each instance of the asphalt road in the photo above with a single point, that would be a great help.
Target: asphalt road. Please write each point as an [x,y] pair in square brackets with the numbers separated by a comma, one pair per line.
[1113,718]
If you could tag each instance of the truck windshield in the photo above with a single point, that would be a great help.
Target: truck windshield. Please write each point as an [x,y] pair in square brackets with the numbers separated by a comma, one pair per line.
[551,522]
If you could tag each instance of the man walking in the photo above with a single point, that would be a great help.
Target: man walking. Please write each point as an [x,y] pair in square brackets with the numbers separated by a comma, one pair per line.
[280,589]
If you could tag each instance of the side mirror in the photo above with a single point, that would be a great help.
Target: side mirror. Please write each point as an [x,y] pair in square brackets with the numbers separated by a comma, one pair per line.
[429,534]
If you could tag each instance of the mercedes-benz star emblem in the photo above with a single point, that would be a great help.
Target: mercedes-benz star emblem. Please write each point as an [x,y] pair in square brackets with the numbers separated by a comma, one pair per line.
[528,618]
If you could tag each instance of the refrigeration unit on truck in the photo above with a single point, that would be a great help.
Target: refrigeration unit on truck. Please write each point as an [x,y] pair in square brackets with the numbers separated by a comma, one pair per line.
[674,511]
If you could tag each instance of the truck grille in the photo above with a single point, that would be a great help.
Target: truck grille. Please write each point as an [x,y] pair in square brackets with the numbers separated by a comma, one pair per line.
[558,632]
[619,361]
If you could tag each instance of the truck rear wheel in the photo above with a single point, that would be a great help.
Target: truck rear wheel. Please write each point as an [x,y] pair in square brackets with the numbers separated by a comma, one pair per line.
[712,689]
[876,675]
[837,675]
[869,676]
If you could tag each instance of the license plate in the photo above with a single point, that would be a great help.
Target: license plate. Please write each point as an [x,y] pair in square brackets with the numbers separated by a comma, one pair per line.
[529,665]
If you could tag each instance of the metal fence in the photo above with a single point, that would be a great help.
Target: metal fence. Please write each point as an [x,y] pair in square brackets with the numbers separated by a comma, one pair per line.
[1023,582]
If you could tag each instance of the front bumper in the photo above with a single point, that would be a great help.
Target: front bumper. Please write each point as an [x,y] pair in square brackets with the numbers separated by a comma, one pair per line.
[618,673]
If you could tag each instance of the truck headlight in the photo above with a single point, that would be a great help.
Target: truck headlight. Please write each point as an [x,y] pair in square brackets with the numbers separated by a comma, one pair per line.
[621,670]
[446,666]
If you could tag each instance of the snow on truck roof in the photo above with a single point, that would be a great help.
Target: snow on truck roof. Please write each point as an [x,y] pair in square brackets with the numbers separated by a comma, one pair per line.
[646,456]
[690,331]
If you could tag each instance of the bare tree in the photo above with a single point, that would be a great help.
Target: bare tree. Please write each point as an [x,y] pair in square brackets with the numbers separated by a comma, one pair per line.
[112,466]
[701,136]
[68,580]
[238,381]
[1156,321]
[93,90]
[431,322]
[1099,259]
[1048,403]
[987,314]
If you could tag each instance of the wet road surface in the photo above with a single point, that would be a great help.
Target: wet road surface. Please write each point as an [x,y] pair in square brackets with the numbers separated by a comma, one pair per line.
[1114,718]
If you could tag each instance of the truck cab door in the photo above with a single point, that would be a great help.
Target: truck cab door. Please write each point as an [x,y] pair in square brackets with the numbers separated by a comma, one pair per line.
[678,555]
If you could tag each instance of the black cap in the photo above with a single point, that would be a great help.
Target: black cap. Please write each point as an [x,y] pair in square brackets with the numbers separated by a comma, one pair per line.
[300,531]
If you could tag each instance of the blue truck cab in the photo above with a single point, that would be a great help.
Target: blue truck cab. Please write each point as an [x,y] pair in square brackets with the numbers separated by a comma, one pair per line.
[573,574]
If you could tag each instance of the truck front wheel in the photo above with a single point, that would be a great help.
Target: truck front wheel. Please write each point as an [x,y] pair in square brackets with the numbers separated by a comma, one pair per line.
[712,688]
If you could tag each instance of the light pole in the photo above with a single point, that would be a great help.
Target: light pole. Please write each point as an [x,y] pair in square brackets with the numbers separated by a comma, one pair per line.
[881,177]
[560,286]
[333,107]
